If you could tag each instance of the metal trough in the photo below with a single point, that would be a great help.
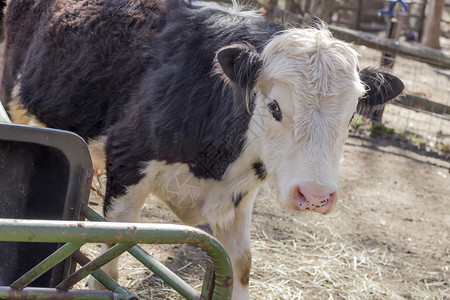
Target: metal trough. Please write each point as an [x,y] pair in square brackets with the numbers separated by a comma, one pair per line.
[45,178]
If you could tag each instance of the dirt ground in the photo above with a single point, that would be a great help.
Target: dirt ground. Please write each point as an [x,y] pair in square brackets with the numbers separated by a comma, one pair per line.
[388,237]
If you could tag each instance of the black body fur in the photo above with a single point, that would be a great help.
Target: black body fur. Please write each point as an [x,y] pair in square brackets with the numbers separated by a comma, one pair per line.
[141,72]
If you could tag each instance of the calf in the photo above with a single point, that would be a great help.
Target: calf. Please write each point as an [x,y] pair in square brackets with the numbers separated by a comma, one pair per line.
[199,104]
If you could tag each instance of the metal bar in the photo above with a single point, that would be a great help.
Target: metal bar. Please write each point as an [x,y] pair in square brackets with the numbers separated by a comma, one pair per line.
[208,282]
[109,283]
[165,273]
[52,231]
[45,265]
[90,214]
[84,182]
[153,265]
[112,232]
[4,118]
[93,265]
[53,294]
[221,284]
[441,116]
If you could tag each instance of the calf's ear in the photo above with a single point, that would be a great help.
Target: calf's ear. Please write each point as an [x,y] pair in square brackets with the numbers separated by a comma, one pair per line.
[381,87]
[239,63]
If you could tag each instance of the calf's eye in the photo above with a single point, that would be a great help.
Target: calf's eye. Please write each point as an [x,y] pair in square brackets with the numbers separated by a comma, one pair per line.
[274,109]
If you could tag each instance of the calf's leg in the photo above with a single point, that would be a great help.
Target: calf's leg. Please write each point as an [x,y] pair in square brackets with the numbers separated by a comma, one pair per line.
[236,240]
[124,208]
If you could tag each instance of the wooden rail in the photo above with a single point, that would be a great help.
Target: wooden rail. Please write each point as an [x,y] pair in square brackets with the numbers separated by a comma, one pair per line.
[424,54]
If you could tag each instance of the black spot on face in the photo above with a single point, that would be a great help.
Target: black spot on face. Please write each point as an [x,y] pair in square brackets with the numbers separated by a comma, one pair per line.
[238,198]
[260,170]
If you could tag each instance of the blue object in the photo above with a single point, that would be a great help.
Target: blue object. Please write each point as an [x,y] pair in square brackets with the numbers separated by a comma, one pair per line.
[390,10]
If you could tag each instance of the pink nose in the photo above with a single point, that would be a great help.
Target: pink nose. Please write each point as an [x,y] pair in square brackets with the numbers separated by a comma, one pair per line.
[314,197]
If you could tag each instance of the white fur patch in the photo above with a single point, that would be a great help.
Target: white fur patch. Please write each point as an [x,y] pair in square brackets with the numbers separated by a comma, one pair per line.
[195,200]
[234,9]
[314,79]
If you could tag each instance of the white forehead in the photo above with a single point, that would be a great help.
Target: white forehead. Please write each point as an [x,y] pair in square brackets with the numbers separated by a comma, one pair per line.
[314,77]
[310,61]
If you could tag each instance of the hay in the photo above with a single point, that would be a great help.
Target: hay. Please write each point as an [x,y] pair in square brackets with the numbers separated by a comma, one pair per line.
[318,268]
[325,269]
[294,257]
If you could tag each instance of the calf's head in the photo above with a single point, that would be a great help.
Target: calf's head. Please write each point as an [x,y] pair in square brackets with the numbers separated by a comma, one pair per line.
[303,90]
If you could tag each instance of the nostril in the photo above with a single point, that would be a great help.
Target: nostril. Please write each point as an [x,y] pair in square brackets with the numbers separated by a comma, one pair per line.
[333,196]
[300,199]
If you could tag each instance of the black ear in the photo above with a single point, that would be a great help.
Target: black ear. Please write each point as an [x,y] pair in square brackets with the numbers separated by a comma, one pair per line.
[240,63]
[381,88]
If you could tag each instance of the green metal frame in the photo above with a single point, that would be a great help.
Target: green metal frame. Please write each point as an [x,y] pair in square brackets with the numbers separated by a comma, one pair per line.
[217,284]
[218,280]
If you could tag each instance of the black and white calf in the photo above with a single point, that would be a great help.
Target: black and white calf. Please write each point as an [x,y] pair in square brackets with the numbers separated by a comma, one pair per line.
[199,104]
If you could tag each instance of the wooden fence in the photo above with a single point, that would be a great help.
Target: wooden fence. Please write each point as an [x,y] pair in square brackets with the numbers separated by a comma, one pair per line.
[412,54]
[428,55]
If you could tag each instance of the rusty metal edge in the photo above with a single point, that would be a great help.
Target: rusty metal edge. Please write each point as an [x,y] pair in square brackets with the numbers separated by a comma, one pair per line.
[53,294]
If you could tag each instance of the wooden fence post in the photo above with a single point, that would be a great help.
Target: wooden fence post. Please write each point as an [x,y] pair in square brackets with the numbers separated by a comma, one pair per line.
[327,10]
[294,6]
[388,59]
[421,21]
[269,5]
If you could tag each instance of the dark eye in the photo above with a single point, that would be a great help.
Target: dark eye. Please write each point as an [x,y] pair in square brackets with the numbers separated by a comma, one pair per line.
[274,108]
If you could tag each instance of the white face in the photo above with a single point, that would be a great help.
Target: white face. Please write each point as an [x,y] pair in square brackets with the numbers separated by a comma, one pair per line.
[301,141]
[307,91]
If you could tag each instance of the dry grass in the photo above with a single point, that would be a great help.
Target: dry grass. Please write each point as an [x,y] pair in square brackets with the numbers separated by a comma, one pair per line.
[326,269]
[319,263]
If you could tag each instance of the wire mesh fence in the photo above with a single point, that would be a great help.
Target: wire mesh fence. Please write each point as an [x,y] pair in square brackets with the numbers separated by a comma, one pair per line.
[424,110]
